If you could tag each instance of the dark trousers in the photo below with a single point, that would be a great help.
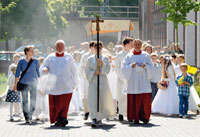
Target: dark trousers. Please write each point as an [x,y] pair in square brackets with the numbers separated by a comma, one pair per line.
[183,105]
[154,89]
[29,108]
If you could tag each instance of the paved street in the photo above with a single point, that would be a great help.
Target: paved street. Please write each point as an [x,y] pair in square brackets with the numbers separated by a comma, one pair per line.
[159,126]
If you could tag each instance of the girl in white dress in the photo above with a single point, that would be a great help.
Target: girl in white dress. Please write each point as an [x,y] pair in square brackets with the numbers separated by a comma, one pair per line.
[166,101]
[76,103]
[41,108]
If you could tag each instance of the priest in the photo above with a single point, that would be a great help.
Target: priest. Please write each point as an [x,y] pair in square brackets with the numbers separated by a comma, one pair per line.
[61,67]
[121,97]
[106,105]
[138,88]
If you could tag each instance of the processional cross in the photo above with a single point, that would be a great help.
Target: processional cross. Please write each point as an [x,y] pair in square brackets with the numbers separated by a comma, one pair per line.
[97,21]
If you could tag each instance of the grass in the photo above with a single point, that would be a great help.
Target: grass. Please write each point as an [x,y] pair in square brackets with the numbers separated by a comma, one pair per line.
[197,87]
[3,83]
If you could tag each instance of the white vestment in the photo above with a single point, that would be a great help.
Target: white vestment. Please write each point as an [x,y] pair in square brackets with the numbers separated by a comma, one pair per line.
[106,106]
[137,78]
[62,77]
[83,81]
[121,97]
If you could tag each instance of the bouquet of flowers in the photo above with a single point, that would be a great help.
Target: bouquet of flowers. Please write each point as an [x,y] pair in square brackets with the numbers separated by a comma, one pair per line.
[162,85]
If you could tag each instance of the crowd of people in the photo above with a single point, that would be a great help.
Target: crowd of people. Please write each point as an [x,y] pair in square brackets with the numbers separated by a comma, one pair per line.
[136,80]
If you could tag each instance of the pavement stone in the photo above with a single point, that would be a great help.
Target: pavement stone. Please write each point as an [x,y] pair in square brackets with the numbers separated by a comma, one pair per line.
[159,126]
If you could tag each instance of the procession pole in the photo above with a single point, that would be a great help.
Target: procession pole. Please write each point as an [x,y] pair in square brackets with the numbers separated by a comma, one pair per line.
[98,68]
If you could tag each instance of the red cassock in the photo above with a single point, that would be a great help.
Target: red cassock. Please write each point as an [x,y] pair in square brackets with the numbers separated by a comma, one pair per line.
[138,105]
[59,106]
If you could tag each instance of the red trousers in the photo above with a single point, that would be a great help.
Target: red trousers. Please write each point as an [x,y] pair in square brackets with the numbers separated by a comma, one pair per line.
[139,106]
[59,106]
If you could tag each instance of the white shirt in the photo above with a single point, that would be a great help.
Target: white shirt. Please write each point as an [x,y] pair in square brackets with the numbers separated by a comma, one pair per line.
[82,64]
[119,59]
[156,72]
[11,81]
[136,78]
[62,77]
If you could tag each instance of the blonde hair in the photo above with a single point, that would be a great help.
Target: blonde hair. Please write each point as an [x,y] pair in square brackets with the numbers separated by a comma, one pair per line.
[154,54]
[16,55]
[184,65]
[13,68]
[41,59]
[181,56]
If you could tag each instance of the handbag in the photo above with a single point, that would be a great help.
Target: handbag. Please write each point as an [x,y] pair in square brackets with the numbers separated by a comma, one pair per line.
[21,86]
[163,85]
[12,96]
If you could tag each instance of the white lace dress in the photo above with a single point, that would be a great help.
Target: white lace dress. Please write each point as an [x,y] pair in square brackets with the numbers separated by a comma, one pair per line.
[166,101]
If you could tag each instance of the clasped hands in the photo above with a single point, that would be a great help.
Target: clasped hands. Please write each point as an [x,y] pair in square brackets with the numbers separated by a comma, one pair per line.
[184,83]
[100,63]
[134,65]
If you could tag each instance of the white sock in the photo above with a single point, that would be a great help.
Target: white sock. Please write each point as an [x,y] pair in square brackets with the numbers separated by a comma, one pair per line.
[11,110]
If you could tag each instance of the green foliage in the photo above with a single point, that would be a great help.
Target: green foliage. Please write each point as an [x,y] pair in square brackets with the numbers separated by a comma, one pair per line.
[3,83]
[34,19]
[197,87]
[177,10]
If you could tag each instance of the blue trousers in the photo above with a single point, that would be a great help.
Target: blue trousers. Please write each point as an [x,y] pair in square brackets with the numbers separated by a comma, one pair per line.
[183,105]
[29,108]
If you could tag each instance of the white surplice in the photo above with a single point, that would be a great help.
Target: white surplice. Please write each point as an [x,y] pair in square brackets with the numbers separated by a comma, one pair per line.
[62,77]
[106,106]
[137,78]
[121,97]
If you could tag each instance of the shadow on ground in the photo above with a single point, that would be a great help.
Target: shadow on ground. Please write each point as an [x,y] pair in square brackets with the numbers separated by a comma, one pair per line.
[105,127]
[62,128]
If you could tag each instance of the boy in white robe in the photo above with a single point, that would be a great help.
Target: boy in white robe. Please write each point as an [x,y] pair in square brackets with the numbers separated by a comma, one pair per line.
[134,68]
[121,97]
[83,79]
[106,106]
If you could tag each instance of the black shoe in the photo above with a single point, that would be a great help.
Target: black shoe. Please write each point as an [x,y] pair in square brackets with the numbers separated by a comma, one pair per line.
[94,123]
[58,124]
[130,120]
[86,116]
[145,121]
[121,117]
[64,122]
[28,121]
[11,119]
[180,116]
[136,122]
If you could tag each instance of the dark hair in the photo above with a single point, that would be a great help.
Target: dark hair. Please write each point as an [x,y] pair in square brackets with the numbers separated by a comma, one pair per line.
[173,56]
[127,40]
[100,44]
[27,48]
[92,44]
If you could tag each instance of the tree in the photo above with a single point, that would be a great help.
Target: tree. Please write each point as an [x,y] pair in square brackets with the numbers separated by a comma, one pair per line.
[177,11]
[33,19]
[6,9]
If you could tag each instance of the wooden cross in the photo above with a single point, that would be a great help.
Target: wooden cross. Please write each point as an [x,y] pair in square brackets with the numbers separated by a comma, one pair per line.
[97,21]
